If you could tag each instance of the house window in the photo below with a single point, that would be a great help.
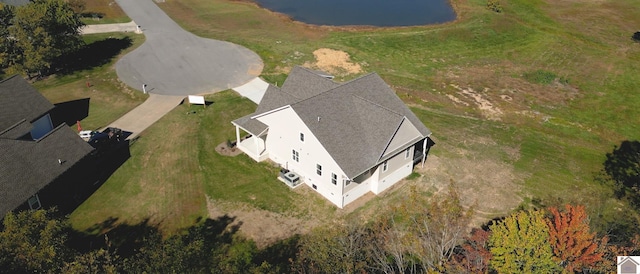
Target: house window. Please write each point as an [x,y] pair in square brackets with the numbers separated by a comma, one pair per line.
[385,166]
[407,153]
[319,169]
[34,202]
[296,156]
[301,137]
[334,178]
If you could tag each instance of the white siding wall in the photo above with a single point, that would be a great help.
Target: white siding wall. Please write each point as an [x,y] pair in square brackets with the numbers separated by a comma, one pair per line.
[285,127]
[398,167]
[356,192]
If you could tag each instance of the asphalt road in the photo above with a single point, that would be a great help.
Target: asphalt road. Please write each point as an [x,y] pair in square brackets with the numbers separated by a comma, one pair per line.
[173,61]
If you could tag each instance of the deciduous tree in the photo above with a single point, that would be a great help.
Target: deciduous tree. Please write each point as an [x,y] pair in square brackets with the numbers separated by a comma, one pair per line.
[38,33]
[574,246]
[438,228]
[33,241]
[338,249]
[475,255]
[520,244]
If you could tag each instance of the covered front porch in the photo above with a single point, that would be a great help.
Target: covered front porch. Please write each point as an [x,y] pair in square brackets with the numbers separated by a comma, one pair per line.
[253,143]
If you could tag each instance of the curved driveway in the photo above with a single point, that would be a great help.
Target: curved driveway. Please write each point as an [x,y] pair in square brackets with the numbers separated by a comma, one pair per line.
[173,61]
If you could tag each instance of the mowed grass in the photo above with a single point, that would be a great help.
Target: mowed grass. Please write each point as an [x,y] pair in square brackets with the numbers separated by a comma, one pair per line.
[109,98]
[103,12]
[174,168]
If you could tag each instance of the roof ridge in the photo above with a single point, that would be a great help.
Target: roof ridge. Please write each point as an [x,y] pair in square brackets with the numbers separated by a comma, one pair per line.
[13,126]
[379,105]
[8,78]
[336,87]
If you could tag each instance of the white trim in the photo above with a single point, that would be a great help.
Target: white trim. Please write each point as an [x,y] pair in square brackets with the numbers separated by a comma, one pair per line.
[31,201]
[269,112]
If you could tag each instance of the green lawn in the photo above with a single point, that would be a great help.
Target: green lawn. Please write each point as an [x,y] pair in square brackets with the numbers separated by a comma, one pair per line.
[109,98]
[174,167]
[103,12]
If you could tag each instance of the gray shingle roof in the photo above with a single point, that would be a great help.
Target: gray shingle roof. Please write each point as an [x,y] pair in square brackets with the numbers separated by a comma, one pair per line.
[18,101]
[27,166]
[253,126]
[354,121]
[15,2]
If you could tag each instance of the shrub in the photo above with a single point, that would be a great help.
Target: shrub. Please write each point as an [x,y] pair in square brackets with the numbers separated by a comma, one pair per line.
[494,5]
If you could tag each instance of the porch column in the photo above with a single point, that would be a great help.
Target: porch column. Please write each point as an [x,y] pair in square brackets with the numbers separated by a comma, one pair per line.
[424,150]
[237,136]
[255,140]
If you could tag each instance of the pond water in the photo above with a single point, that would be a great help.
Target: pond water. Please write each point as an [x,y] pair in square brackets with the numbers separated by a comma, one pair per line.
[379,13]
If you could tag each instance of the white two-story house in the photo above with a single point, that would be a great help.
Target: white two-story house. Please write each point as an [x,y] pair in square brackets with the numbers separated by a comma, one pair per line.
[341,139]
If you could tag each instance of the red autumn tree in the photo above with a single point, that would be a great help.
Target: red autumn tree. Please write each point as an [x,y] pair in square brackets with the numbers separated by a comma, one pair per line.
[474,256]
[574,246]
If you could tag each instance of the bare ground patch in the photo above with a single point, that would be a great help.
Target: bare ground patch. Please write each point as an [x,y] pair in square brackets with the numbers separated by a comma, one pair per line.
[335,62]
[262,226]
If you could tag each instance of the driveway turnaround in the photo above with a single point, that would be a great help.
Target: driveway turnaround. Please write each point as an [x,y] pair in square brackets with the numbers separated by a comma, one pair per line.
[173,61]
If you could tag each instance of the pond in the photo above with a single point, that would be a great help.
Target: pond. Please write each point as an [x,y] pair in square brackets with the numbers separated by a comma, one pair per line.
[379,13]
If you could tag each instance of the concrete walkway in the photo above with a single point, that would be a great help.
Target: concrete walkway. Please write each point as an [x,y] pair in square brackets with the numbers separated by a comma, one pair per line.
[105,28]
[254,90]
[147,113]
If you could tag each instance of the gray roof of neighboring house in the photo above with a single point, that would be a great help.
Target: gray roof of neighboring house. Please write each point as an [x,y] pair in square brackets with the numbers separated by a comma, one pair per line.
[15,2]
[28,166]
[20,101]
[355,121]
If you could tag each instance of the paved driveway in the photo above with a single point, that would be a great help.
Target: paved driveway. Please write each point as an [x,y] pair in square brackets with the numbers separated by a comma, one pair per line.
[173,61]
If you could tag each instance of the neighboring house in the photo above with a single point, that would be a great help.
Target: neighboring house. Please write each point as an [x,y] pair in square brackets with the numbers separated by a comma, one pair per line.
[341,139]
[34,153]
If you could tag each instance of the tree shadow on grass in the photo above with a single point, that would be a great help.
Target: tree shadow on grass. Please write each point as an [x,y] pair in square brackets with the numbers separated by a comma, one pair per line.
[92,55]
[621,172]
[141,247]
[76,185]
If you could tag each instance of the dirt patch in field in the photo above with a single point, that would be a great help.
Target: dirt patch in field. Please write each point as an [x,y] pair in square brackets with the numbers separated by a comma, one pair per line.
[489,186]
[263,227]
[334,61]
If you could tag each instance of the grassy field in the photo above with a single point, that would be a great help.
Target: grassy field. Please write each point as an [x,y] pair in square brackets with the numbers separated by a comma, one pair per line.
[562,129]
[543,90]
[167,182]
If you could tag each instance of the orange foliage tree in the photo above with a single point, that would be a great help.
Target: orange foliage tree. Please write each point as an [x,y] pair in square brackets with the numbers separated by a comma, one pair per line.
[574,246]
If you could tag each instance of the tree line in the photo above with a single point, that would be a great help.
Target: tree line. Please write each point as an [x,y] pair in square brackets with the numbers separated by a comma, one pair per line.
[431,236]
[419,235]
[36,37]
